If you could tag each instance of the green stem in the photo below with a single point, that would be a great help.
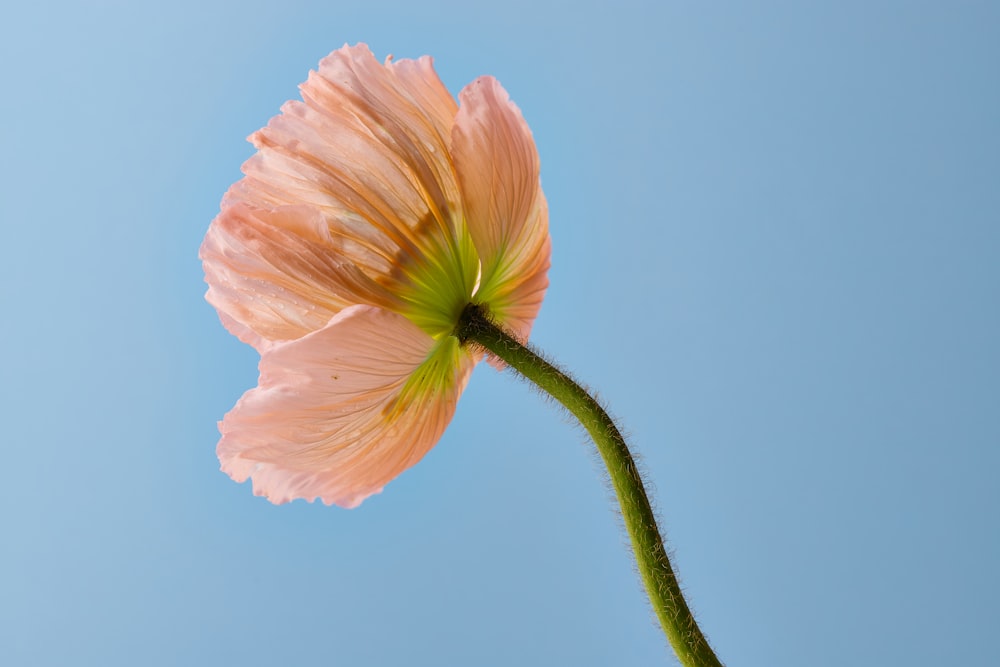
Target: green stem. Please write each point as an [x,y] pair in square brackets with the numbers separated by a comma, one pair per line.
[661,584]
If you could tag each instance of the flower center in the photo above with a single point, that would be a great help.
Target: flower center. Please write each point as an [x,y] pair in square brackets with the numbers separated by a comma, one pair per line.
[440,283]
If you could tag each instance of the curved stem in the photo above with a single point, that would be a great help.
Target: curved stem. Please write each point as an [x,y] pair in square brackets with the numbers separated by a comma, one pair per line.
[654,565]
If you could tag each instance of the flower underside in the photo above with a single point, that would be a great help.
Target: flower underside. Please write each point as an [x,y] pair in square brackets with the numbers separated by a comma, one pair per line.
[375,210]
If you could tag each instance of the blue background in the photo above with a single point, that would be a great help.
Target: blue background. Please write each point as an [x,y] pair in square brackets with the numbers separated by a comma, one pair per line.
[776,256]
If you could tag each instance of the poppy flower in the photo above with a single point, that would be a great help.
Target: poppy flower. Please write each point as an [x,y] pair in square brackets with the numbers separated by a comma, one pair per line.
[373,212]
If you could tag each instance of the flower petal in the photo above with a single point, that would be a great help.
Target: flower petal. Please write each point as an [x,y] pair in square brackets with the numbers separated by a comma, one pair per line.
[498,170]
[278,274]
[369,147]
[338,414]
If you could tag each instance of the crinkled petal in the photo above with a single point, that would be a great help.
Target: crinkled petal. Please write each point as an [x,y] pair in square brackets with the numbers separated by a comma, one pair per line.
[342,411]
[278,274]
[498,171]
[368,146]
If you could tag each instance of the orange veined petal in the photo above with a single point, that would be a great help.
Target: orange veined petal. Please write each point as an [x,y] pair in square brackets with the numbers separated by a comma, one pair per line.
[339,413]
[278,274]
[498,170]
[368,147]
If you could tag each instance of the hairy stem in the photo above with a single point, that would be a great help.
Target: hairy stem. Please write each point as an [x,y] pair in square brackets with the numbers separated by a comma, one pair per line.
[654,565]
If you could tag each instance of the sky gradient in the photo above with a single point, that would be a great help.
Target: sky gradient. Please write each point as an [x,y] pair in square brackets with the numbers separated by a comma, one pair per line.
[776,256]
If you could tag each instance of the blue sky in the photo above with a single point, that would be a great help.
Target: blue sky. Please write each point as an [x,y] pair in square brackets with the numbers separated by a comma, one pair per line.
[776,256]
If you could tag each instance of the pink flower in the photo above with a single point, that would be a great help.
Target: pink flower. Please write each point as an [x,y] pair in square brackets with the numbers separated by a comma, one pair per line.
[372,213]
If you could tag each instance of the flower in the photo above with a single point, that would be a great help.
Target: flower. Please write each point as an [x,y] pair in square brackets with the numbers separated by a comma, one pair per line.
[372,213]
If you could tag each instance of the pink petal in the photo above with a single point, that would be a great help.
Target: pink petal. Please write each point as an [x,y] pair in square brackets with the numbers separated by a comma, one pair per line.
[498,170]
[329,419]
[368,146]
[279,274]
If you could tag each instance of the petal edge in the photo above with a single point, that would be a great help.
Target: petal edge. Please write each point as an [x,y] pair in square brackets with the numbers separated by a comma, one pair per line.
[317,425]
